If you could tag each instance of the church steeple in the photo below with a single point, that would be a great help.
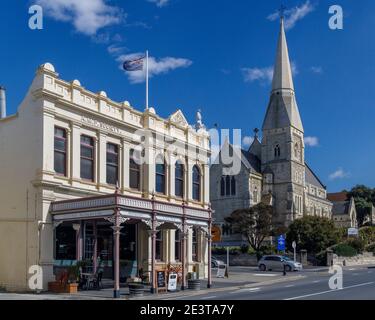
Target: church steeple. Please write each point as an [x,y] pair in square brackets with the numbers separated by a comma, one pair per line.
[282,74]
[282,110]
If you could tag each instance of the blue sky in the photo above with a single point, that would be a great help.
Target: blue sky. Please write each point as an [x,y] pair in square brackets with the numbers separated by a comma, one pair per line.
[214,55]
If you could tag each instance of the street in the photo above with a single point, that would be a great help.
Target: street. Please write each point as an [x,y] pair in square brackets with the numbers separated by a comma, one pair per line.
[358,283]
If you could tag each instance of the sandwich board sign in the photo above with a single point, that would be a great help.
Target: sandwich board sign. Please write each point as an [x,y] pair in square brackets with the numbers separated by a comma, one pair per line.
[172,282]
[221,268]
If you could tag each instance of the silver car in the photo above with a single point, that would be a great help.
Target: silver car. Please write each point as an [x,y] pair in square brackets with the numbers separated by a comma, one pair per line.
[276,262]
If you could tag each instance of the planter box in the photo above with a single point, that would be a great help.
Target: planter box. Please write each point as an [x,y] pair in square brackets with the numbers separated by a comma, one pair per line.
[136,290]
[58,287]
[194,284]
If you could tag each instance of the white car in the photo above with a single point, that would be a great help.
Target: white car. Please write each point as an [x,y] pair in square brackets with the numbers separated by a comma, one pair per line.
[275,262]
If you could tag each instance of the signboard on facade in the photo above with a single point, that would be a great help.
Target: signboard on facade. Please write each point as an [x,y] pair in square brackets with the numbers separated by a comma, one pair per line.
[352,232]
[216,234]
[172,282]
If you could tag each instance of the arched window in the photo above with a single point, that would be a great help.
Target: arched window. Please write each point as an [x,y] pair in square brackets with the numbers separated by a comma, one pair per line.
[255,195]
[160,175]
[277,151]
[227,185]
[222,186]
[179,179]
[233,186]
[196,183]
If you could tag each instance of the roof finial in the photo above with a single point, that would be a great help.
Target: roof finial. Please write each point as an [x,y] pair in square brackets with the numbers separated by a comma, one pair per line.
[282,11]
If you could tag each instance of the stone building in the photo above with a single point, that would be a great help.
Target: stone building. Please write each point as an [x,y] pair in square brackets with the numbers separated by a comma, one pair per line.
[78,167]
[344,213]
[273,169]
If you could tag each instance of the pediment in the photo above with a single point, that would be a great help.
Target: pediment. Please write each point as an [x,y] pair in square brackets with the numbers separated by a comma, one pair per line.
[179,119]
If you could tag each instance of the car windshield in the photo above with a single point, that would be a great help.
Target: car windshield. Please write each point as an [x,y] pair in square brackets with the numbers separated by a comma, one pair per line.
[287,259]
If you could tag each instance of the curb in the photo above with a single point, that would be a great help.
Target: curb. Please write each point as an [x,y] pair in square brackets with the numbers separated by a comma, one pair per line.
[213,290]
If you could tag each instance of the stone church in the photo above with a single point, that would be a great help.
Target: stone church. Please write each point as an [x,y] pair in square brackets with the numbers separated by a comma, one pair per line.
[273,169]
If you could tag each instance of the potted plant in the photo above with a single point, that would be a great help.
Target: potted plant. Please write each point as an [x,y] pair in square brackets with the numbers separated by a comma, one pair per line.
[73,279]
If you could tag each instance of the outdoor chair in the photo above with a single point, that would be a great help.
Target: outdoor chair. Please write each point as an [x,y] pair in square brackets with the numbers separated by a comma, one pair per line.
[96,282]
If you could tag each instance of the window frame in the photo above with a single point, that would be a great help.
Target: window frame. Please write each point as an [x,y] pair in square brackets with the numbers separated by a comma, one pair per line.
[196,183]
[180,180]
[65,152]
[163,175]
[177,246]
[86,158]
[117,165]
[134,167]
[159,241]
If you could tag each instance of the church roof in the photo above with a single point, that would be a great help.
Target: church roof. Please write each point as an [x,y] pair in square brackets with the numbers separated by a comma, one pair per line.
[251,161]
[341,207]
[311,178]
[282,109]
[338,196]
[256,148]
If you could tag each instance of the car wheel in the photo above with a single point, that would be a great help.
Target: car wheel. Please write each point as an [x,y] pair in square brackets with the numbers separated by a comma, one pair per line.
[288,268]
[213,265]
[262,267]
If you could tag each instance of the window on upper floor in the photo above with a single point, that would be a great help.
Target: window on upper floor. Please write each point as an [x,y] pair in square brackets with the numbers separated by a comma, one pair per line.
[160,176]
[87,158]
[179,179]
[277,151]
[134,170]
[228,186]
[112,164]
[196,183]
[60,148]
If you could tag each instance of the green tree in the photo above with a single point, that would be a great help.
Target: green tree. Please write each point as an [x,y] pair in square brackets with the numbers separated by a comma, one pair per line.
[312,233]
[364,197]
[254,223]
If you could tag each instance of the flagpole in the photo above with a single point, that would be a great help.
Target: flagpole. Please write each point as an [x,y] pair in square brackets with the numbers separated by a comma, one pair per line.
[147,80]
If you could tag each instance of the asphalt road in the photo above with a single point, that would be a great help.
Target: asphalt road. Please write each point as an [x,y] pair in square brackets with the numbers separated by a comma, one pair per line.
[358,283]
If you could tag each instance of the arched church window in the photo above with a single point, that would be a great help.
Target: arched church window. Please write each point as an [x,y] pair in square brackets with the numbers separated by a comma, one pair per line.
[233,186]
[296,150]
[277,151]
[227,186]
[255,195]
[222,186]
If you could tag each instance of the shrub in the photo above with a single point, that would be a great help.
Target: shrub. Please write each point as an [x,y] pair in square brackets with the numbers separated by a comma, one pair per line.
[367,235]
[370,248]
[244,249]
[344,250]
[357,244]
[321,258]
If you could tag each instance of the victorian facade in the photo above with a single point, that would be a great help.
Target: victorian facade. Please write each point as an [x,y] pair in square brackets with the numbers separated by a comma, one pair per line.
[86,178]
[273,169]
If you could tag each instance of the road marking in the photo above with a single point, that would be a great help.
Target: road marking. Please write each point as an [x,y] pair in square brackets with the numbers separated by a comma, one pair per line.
[351,269]
[266,274]
[329,291]
[289,286]
[246,289]
[316,281]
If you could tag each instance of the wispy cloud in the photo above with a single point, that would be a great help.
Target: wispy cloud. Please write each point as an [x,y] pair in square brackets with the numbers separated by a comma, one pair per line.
[338,174]
[160,3]
[247,141]
[87,16]
[293,15]
[316,69]
[155,66]
[311,141]
[263,75]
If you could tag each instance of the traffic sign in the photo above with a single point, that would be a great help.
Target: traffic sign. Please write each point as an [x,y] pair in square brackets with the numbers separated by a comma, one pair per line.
[294,245]
[281,243]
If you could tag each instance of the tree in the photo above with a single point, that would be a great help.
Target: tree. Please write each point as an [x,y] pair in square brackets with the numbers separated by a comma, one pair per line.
[312,233]
[364,198]
[254,223]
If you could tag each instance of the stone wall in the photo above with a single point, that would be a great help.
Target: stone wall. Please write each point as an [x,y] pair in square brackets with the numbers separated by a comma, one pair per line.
[239,259]
[361,259]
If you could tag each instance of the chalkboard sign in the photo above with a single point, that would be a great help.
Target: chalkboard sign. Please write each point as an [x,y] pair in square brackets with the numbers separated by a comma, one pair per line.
[161,281]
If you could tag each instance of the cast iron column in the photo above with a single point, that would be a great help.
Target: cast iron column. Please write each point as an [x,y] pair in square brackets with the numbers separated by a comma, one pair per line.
[153,246]
[184,237]
[209,239]
[116,232]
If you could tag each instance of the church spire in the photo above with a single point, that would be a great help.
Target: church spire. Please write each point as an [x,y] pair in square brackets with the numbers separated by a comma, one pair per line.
[282,75]
[282,109]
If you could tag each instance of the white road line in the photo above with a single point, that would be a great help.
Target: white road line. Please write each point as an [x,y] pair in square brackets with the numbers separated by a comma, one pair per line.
[289,286]
[265,274]
[316,281]
[246,290]
[351,269]
[330,291]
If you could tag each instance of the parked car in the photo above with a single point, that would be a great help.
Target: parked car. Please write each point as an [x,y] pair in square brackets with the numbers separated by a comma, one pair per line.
[215,262]
[276,262]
